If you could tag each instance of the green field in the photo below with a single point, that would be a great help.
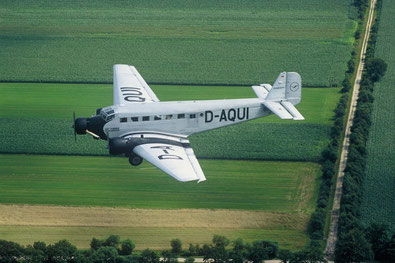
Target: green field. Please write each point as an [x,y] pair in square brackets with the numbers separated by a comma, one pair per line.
[286,191]
[40,122]
[379,195]
[106,181]
[226,42]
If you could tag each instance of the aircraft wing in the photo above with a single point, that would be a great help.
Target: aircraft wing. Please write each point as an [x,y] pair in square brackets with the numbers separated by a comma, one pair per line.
[174,157]
[130,87]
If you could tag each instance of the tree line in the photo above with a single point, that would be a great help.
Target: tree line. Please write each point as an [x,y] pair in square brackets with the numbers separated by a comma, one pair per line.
[355,242]
[113,250]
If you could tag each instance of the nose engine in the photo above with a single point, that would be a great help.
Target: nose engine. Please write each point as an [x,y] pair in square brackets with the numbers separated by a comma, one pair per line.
[94,126]
[81,125]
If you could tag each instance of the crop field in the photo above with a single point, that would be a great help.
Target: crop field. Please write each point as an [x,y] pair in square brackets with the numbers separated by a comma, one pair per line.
[40,122]
[379,195]
[189,42]
[247,199]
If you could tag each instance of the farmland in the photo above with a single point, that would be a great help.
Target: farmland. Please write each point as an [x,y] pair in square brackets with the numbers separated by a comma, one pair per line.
[379,196]
[192,42]
[48,193]
[283,195]
[40,121]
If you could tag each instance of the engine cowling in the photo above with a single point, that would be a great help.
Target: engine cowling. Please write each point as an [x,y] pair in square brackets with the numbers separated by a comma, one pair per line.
[120,145]
[81,125]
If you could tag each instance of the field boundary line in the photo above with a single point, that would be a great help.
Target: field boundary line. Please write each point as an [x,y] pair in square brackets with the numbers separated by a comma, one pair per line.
[153,83]
[335,212]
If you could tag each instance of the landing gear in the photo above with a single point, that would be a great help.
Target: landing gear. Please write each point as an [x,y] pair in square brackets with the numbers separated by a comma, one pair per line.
[135,160]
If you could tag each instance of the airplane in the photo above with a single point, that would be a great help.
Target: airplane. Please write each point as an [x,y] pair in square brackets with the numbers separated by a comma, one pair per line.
[140,126]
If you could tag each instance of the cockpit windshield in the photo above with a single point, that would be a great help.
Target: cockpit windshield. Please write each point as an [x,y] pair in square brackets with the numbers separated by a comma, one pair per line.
[107,114]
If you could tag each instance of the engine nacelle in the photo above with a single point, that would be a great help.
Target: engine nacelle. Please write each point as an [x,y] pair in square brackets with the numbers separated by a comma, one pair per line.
[120,145]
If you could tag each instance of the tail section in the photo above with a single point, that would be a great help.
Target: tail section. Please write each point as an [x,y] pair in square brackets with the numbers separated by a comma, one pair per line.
[281,98]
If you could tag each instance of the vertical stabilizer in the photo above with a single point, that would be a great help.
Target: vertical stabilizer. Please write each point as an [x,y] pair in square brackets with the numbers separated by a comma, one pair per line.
[286,92]
[278,90]
[293,88]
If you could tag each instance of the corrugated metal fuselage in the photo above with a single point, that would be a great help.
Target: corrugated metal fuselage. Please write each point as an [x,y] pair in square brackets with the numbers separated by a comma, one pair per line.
[182,118]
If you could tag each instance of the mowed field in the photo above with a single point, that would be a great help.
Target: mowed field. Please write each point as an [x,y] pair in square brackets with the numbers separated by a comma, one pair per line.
[379,195]
[247,199]
[40,121]
[192,42]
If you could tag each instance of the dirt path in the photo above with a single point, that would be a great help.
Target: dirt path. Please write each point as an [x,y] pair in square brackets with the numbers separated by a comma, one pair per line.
[332,237]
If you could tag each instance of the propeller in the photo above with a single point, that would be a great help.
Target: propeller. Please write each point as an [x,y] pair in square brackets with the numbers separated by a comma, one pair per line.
[75,132]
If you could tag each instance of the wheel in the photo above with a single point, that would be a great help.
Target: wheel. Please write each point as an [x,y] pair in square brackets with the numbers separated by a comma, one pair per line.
[135,160]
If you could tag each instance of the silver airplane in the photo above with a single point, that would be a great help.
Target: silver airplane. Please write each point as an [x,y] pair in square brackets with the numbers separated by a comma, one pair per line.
[141,127]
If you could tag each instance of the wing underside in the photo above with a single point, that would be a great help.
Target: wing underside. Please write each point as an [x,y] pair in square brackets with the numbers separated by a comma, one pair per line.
[130,87]
[172,155]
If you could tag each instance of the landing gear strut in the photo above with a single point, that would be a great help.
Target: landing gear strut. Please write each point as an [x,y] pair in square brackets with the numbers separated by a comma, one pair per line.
[135,160]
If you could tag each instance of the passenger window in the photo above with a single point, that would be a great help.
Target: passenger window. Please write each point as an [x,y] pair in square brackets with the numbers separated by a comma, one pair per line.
[192,116]
[169,117]
[145,118]
[181,116]
[135,118]
[123,119]
[157,118]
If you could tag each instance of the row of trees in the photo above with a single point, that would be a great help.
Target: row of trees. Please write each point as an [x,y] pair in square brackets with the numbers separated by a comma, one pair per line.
[113,250]
[356,243]
[329,155]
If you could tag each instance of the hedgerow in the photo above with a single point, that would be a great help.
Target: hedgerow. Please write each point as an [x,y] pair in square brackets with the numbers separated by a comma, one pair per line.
[354,242]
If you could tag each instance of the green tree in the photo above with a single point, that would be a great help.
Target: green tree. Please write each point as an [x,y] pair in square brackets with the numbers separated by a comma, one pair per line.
[352,246]
[106,254]
[10,251]
[96,243]
[314,252]
[176,246]
[149,256]
[375,69]
[194,250]
[112,241]
[299,257]
[33,255]
[239,251]
[62,251]
[169,257]
[284,255]
[379,237]
[207,252]
[40,245]
[127,247]
[261,250]
[219,253]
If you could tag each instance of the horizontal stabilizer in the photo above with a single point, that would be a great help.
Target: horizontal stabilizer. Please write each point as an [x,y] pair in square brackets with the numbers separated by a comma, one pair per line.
[260,91]
[278,109]
[291,109]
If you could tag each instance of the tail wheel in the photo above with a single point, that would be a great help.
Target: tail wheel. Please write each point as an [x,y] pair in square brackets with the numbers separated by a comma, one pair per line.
[135,160]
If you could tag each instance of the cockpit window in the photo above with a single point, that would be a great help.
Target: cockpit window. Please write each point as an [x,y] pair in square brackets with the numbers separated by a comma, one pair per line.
[107,114]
